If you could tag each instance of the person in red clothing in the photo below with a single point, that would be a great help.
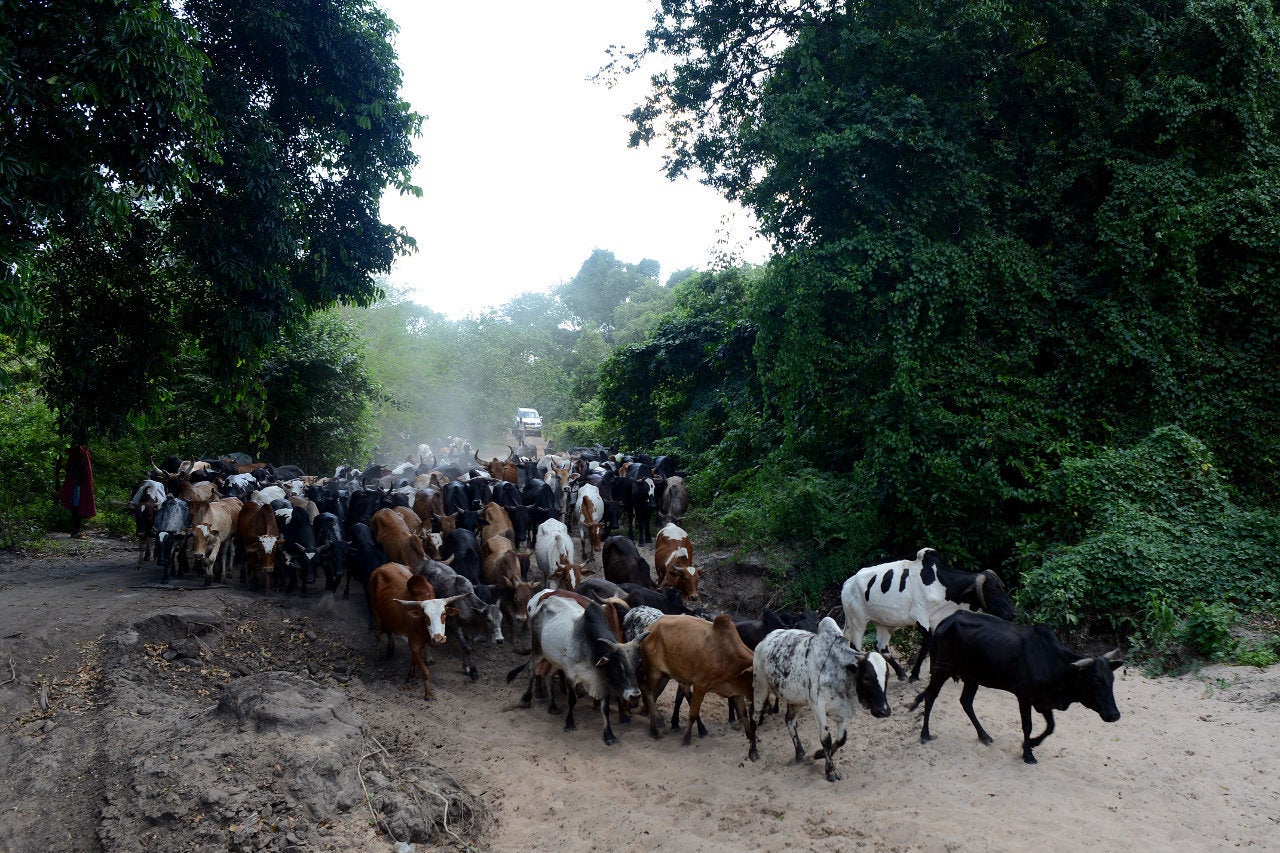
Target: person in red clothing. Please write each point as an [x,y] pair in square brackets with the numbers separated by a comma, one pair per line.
[77,488]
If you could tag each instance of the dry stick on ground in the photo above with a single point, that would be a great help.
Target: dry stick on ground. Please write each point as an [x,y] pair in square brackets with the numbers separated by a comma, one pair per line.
[13,673]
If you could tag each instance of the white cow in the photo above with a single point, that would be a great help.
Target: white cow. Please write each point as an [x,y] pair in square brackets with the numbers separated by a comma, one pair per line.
[578,642]
[590,518]
[923,592]
[551,545]
[822,672]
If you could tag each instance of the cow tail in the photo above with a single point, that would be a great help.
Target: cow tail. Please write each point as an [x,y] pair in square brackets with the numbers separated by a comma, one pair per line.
[511,676]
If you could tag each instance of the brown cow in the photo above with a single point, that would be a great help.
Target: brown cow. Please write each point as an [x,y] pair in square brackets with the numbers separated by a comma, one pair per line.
[392,532]
[502,569]
[258,534]
[501,469]
[702,656]
[404,604]
[673,559]
[494,521]
[213,530]
[568,575]
[428,503]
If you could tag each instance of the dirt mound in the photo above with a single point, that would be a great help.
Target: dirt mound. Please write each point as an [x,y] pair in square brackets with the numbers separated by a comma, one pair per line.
[279,762]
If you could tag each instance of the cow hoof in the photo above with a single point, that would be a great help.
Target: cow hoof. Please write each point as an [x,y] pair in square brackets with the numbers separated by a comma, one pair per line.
[833,777]
[926,738]
[987,739]
[474,673]
[570,727]
[610,741]
[754,754]
[1030,759]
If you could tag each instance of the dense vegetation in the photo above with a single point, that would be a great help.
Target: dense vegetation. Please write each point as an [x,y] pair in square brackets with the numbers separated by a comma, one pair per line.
[1022,309]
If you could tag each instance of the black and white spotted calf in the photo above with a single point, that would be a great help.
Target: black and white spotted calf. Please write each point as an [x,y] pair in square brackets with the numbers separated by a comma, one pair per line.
[922,592]
[819,671]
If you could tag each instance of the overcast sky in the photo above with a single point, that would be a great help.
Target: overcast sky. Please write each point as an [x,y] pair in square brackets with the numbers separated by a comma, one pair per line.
[524,163]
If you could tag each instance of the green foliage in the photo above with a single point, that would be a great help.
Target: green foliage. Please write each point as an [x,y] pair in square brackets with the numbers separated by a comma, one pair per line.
[1207,630]
[827,521]
[1156,519]
[209,177]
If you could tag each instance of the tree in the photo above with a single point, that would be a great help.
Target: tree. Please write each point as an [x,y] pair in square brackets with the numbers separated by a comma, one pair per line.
[602,284]
[1011,232]
[246,230]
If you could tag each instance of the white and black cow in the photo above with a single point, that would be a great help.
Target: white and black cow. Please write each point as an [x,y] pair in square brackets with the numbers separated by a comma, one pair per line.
[475,620]
[821,671]
[922,592]
[145,503]
[577,641]
[1025,660]
[171,528]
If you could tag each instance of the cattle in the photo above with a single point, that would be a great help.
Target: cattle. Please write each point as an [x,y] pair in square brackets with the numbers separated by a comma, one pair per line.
[475,621]
[428,503]
[507,496]
[267,494]
[404,605]
[366,555]
[461,552]
[196,492]
[213,532]
[675,500]
[331,549]
[300,550]
[143,506]
[752,631]
[393,534]
[171,529]
[411,519]
[501,469]
[568,575]
[590,514]
[494,521]
[666,600]
[923,592]
[238,485]
[701,657]
[577,640]
[502,568]
[821,671]
[673,560]
[622,563]
[635,494]
[1025,660]
[257,535]
[540,501]
[552,546]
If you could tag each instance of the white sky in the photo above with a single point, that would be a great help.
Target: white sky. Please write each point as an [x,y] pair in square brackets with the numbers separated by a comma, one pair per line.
[524,163]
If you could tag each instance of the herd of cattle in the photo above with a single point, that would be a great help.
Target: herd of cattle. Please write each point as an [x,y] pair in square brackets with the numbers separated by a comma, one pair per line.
[485,551]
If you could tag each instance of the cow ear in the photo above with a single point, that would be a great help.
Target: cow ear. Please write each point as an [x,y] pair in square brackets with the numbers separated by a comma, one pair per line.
[451,611]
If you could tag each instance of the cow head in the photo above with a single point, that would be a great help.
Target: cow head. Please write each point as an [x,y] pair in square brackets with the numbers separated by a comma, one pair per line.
[434,611]
[1094,685]
[683,577]
[990,595]
[870,672]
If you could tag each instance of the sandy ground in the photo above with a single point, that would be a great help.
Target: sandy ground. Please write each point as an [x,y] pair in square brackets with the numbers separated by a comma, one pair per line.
[1192,765]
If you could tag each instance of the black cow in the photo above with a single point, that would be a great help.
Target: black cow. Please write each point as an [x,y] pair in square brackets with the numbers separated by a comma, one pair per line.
[623,564]
[668,599]
[366,555]
[1025,660]
[752,631]
[331,548]
[476,620]
[507,496]
[540,502]
[300,549]
[460,551]
[635,497]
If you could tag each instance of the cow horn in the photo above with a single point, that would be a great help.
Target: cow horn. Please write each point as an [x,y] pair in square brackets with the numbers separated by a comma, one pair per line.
[1083,663]
[1114,654]
[451,599]
[513,453]
[977,590]
[476,454]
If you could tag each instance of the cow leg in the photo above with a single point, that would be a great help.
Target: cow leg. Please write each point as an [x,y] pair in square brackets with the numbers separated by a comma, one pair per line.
[829,747]
[929,694]
[652,687]
[568,718]
[740,704]
[966,702]
[422,667]
[795,734]
[1029,742]
[926,650]
[609,738]
[699,692]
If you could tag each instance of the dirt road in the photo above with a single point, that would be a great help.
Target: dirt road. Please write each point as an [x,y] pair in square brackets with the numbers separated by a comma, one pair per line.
[123,738]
